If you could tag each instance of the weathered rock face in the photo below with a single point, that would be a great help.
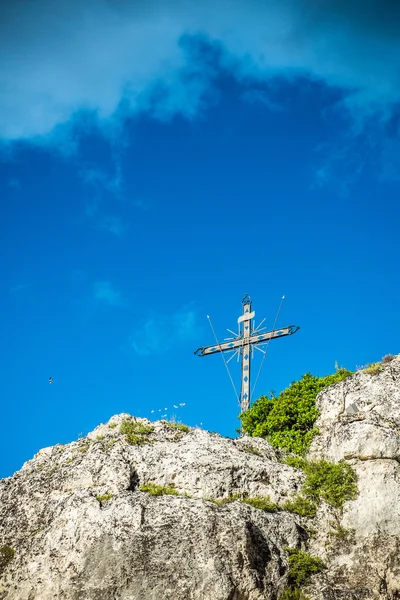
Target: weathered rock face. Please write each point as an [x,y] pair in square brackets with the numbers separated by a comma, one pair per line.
[72,543]
[360,422]
[82,529]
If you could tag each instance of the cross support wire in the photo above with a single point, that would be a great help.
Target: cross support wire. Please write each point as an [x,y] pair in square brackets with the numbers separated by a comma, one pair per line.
[243,343]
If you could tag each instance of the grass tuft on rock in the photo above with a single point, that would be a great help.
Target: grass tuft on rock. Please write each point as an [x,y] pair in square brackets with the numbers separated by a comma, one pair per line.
[135,432]
[159,490]
[300,505]
[302,566]
[6,556]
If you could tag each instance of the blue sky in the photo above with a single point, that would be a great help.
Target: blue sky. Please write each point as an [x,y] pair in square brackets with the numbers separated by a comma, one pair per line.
[160,160]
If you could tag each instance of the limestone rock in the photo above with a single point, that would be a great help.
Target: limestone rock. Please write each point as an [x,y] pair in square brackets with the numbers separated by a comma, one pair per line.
[365,564]
[82,529]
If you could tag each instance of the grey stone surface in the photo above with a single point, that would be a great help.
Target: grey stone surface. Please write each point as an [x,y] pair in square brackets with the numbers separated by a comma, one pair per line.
[70,543]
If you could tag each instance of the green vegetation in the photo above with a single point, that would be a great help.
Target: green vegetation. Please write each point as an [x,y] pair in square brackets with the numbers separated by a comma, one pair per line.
[135,432]
[287,420]
[332,483]
[222,501]
[262,503]
[302,566]
[105,497]
[100,437]
[293,594]
[374,368]
[342,533]
[70,460]
[179,426]
[112,425]
[6,555]
[109,444]
[296,461]
[300,506]
[159,490]
[84,448]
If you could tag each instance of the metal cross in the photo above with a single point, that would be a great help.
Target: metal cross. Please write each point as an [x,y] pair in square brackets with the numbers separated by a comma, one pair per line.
[243,344]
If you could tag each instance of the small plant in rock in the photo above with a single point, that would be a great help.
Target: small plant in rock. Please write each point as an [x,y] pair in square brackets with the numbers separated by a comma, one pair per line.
[374,368]
[228,500]
[262,503]
[332,483]
[293,594]
[179,426]
[112,425]
[295,461]
[300,505]
[342,533]
[159,490]
[104,498]
[109,444]
[84,448]
[302,566]
[6,555]
[387,358]
[135,432]
[70,460]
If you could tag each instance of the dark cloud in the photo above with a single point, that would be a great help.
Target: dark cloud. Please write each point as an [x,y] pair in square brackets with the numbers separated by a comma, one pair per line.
[61,58]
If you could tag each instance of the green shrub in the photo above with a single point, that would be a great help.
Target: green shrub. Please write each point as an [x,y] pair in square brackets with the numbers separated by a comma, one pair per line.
[135,432]
[136,440]
[262,503]
[296,461]
[332,483]
[128,427]
[159,490]
[179,426]
[287,421]
[300,506]
[302,566]
[374,368]
[112,425]
[293,594]
[6,555]
[105,497]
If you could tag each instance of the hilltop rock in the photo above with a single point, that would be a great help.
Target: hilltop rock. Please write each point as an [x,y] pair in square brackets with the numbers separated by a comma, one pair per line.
[360,423]
[83,529]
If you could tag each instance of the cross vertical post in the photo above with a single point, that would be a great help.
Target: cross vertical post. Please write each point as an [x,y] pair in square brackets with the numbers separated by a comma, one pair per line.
[245,331]
[243,344]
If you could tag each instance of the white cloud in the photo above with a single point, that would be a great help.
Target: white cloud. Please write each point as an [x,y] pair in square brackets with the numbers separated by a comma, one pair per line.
[119,56]
[161,332]
[105,293]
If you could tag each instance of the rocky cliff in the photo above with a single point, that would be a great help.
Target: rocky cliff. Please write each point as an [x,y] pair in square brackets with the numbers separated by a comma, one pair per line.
[142,511]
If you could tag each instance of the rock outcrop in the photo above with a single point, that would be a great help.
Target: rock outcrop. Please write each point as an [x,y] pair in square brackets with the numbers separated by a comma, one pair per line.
[83,529]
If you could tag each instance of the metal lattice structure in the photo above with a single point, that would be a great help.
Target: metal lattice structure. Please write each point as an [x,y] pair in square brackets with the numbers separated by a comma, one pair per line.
[243,344]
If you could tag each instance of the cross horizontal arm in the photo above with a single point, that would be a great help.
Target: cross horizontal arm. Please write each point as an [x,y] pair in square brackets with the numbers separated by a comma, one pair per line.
[259,338]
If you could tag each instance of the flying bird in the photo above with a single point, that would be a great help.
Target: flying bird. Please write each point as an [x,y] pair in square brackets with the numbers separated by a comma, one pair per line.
[50,380]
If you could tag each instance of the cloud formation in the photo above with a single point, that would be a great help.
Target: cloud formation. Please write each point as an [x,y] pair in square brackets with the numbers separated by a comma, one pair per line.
[112,57]
[105,293]
[160,332]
